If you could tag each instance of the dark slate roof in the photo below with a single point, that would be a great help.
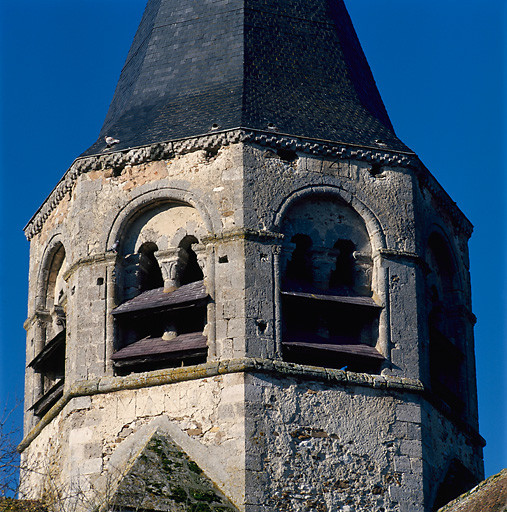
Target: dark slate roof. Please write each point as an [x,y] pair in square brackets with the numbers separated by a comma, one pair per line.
[159,299]
[295,65]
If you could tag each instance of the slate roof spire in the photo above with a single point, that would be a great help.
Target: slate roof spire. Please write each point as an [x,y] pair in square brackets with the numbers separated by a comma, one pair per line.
[292,65]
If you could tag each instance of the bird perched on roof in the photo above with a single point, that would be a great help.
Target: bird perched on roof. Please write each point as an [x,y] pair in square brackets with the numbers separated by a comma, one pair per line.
[111,141]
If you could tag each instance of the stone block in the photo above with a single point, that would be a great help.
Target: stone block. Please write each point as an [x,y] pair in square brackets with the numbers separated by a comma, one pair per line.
[81,435]
[408,412]
[417,465]
[402,464]
[90,466]
[79,403]
[411,448]
[125,405]
[233,394]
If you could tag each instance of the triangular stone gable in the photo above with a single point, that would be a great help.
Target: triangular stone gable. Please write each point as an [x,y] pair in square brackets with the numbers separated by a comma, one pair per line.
[163,478]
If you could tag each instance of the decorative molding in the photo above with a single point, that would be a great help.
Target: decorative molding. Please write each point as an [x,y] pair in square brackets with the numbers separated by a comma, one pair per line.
[40,315]
[166,150]
[105,385]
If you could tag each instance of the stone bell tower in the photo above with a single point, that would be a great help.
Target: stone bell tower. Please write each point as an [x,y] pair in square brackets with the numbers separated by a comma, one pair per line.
[249,271]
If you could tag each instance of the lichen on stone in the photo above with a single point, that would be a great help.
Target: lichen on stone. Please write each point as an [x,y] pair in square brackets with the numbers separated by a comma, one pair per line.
[163,478]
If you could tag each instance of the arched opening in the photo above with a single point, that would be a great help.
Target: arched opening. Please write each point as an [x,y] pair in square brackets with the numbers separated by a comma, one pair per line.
[49,363]
[161,321]
[328,317]
[55,287]
[445,326]
[457,481]
[342,277]
[299,273]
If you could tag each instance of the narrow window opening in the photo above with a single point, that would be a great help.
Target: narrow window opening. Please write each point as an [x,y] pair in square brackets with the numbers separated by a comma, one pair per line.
[149,273]
[192,271]
[446,354]
[342,277]
[299,272]
[49,363]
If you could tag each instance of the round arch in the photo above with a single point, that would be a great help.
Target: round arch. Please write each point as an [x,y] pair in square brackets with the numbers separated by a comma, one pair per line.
[373,226]
[54,245]
[147,200]
[437,232]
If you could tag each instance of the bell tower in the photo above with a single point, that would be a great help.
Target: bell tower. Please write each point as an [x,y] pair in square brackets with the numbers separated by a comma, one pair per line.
[249,275]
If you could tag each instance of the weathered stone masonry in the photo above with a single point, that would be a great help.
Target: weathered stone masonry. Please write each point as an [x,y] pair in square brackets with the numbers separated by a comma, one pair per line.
[285,300]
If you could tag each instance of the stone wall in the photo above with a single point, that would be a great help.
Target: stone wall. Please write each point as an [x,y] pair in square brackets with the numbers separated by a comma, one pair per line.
[76,451]
[269,441]
[318,447]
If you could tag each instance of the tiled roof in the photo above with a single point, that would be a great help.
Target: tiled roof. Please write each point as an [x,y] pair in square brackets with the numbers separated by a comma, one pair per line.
[294,66]
[489,496]
[159,299]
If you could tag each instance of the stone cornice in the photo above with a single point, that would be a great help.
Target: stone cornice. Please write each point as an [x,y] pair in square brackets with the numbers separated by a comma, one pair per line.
[211,141]
[161,151]
[105,385]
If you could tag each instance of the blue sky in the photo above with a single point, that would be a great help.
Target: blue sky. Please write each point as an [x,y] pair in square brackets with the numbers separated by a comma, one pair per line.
[440,67]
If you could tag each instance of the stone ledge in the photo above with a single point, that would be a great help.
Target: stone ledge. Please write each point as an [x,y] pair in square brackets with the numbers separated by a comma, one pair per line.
[211,369]
[241,365]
